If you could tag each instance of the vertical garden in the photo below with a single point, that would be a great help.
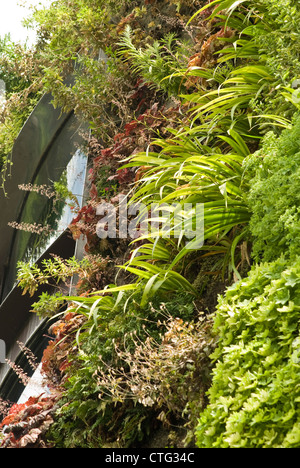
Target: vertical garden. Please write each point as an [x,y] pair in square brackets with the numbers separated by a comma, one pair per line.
[168,342]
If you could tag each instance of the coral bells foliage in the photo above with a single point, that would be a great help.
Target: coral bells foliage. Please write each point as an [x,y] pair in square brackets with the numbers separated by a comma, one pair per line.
[27,423]
[136,136]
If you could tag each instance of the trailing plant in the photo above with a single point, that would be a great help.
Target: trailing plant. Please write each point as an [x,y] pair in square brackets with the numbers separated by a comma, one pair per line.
[171,376]
[19,69]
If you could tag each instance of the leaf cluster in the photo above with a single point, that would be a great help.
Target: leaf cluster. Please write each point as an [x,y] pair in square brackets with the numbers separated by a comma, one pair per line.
[26,424]
[157,63]
[171,376]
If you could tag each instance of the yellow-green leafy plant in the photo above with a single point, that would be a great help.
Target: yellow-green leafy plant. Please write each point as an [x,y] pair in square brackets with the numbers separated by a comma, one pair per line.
[273,196]
[253,400]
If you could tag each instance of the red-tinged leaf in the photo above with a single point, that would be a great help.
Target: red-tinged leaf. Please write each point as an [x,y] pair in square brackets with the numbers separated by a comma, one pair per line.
[69,316]
[141,104]
[130,127]
[118,137]
[106,152]
[64,366]
[76,220]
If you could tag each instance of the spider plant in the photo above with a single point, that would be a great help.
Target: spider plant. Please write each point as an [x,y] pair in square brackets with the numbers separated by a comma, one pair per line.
[201,165]
[187,172]
[229,106]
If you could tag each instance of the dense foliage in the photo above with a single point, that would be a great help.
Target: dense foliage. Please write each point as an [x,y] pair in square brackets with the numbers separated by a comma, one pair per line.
[254,398]
[274,195]
[189,102]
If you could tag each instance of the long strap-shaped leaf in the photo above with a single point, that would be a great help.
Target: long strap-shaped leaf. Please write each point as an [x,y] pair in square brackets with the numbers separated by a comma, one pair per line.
[229,5]
[222,221]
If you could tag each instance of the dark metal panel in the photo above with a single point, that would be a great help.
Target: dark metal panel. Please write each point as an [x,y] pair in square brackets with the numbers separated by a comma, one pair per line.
[46,150]
[34,141]
[65,163]
[15,309]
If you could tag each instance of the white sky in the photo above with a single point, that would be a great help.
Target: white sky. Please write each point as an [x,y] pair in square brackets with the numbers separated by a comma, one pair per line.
[12,12]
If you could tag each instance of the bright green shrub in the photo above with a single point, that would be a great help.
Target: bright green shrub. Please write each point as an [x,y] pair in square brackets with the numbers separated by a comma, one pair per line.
[278,42]
[268,34]
[255,394]
[274,196]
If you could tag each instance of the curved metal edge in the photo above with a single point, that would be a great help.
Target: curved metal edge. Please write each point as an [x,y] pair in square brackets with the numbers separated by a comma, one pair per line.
[31,145]
[15,310]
